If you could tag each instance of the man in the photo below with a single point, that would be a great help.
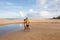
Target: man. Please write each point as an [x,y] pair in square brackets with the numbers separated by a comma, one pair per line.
[27,24]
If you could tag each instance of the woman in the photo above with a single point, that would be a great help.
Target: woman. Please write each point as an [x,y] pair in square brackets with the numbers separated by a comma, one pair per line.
[24,24]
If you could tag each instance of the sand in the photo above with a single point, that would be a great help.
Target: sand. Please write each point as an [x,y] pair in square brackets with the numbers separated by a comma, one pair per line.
[39,31]
[6,21]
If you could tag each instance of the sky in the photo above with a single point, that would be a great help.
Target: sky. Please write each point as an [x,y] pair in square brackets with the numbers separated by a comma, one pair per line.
[29,8]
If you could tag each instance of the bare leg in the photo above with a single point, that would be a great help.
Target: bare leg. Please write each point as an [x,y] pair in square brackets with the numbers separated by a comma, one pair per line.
[24,27]
[28,28]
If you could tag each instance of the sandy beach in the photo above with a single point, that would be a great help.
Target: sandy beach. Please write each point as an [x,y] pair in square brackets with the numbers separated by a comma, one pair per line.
[6,21]
[41,30]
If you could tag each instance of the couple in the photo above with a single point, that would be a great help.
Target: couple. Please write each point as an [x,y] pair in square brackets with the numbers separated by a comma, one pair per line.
[26,24]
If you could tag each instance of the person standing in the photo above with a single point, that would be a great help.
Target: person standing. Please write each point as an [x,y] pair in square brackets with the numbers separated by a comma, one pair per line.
[24,24]
[27,24]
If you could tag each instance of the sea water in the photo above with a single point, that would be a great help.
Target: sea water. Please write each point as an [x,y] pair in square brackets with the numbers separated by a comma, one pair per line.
[10,28]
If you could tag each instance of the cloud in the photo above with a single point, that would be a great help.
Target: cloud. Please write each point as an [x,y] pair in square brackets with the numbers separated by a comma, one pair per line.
[41,3]
[54,5]
[42,8]
[9,10]
[32,13]
[21,13]
[9,5]
[50,5]
[8,15]
[38,14]
[56,0]
[6,3]
[44,14]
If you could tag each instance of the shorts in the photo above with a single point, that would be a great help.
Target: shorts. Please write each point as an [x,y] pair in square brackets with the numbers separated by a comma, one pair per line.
[27,25]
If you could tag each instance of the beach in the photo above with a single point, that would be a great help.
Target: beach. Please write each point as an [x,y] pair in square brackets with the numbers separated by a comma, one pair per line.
[6,21]
[44,29]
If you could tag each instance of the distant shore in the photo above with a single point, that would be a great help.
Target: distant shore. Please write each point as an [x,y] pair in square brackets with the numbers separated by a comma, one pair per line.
[5,21]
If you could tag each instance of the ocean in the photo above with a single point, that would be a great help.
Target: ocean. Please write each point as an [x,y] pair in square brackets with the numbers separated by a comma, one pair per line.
[10,28]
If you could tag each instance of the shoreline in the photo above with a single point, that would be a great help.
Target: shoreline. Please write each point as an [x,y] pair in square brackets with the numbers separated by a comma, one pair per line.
[5,21]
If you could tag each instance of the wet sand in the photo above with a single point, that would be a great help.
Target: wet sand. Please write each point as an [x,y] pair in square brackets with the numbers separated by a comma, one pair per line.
[47,30]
